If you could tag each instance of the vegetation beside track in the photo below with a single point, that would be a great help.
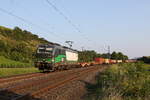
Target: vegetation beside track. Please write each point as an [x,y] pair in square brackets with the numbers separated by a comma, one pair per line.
[122,82]
[7,63]
[145,59]
[16,71]
[89,55]
[18,45]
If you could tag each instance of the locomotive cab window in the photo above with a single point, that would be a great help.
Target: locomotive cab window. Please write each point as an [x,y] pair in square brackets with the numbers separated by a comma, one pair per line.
[57,52]
[63,51]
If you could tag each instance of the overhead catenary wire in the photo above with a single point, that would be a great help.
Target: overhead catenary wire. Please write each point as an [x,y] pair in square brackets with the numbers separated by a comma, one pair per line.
[69,21]
[66,18]
[29,22]
[63,15]
[42,28]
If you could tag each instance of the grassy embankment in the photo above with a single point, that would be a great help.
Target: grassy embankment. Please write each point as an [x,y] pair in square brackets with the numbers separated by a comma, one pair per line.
[7,63]
[9,67]
[16,71]
[122,82]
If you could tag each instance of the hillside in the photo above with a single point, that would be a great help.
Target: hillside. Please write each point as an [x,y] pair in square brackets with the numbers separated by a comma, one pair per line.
[18,45]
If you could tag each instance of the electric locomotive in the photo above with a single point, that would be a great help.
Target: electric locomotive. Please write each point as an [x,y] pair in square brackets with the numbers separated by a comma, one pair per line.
[55,57]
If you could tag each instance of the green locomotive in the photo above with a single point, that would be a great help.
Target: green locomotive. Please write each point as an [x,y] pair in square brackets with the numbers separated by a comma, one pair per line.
[55,57]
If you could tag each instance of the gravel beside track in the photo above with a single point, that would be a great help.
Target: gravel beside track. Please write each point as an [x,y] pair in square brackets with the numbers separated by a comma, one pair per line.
[19,79]
[73,90]
[53,86]
[15,78]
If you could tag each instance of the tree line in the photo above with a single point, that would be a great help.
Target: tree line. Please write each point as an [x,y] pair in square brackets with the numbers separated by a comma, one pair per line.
[145,59]
[87,55]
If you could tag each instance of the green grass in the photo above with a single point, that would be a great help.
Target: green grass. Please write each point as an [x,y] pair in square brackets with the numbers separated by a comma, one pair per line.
[16,71]
[9,67]
[122,82]
[7,63]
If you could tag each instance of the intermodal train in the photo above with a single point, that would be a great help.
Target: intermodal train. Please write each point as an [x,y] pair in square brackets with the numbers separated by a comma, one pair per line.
[55,57]
[51,57]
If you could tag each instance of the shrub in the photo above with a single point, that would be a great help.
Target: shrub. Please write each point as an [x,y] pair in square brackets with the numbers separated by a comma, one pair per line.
[123,82]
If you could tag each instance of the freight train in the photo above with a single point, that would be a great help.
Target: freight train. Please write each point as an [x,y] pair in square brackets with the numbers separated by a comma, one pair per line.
[52,57]
[55,57]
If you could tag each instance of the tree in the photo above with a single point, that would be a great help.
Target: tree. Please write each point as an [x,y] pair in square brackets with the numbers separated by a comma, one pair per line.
[2,45]
[125,57]
[104,55]
[87,56]
[114,55]
[144,59]
[120,56]
[17,33]
[15,44]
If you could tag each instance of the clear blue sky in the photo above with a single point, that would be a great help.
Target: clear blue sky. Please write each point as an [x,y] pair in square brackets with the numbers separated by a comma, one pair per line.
[122,24]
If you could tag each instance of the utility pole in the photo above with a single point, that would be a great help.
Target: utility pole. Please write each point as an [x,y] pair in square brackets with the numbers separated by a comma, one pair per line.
[69,43]
[82,48]
[109,55]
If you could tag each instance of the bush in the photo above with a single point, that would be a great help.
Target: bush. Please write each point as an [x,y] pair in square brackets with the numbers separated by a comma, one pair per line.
[122,82]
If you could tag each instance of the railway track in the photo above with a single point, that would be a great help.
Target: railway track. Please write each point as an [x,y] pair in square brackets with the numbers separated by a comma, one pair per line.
[67,80]
[38,87]
[18,77]
[18,88]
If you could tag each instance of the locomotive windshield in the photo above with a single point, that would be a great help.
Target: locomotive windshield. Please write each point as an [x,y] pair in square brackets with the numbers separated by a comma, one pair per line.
[44,51]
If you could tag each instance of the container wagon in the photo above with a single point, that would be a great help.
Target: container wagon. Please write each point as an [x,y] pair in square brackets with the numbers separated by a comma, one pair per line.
[113,61]
[119,61]
[99,61]
[106,61]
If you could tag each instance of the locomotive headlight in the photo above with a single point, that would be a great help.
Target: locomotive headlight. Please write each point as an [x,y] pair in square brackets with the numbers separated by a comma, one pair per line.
[52,60]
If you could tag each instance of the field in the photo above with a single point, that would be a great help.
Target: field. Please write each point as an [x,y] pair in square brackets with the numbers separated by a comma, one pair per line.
[16,71]
[7,63]
[122,82]
[9,67]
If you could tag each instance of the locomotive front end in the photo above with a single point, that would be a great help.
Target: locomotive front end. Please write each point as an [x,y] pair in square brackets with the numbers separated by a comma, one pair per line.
[44,57]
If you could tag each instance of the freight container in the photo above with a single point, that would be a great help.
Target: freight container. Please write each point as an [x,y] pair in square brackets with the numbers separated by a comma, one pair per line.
[131,61]
[126,61]
[113,61]
[99,60]
[119,61]
[106,61]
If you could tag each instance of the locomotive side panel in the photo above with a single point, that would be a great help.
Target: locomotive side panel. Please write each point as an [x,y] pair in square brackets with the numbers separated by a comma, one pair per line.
[71,56]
